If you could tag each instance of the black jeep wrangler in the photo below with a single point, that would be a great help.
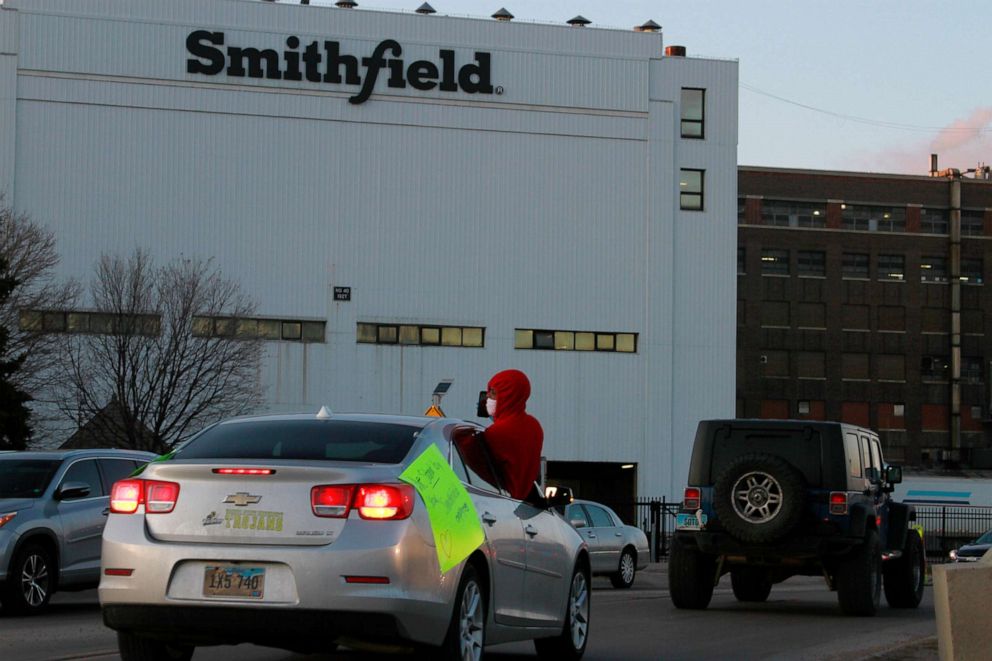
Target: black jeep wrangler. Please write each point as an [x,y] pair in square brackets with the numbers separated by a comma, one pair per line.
[770,499]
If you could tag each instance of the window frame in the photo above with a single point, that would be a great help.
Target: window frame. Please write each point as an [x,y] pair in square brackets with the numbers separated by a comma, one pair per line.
[684,120]
[687,194]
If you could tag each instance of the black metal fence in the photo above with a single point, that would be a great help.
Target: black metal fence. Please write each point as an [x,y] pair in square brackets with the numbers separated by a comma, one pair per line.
[945,527]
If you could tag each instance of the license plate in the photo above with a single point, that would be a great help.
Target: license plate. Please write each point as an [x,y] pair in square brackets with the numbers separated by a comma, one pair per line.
[234,581]
[690,521]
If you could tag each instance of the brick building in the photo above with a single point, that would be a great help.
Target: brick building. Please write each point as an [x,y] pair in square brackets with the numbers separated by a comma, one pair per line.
[850,294]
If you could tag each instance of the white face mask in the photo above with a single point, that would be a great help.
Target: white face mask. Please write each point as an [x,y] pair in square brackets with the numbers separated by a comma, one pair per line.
[491,406]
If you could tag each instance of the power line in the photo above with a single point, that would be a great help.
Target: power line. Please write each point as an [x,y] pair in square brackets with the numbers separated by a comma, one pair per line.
[870,122]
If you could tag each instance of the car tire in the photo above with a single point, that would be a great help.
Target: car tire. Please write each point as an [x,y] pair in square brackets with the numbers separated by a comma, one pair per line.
[466,637]
[859,578]
[133,647]
[904,577]
[570,644]
[759,497]
[750,584]
[691,575]
[31,580]
[626,570]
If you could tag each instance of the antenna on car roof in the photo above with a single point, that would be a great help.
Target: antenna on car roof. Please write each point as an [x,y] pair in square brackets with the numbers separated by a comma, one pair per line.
[324,413]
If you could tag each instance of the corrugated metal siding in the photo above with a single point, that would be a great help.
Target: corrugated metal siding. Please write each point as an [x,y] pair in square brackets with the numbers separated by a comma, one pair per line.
[460,213]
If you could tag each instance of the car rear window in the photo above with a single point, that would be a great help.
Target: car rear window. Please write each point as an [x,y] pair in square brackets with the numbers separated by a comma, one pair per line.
[320,440]
[26,478]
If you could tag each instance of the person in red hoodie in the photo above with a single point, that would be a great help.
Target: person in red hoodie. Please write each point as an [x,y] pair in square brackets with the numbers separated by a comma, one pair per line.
[515,439]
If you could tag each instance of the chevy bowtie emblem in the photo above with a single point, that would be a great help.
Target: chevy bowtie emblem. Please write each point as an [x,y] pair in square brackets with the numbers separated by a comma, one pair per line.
[242,498]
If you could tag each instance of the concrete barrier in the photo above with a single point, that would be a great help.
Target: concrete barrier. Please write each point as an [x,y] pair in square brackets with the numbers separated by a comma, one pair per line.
[963,604]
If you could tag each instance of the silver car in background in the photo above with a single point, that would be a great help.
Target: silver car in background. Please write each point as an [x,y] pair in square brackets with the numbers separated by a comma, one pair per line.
[296,532]
[615,549]
[53,506]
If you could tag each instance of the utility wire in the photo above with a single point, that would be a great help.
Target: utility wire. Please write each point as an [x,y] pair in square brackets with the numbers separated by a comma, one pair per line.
[870,122]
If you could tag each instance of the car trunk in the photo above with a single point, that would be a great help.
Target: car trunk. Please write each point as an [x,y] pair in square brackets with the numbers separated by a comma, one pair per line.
[217,508]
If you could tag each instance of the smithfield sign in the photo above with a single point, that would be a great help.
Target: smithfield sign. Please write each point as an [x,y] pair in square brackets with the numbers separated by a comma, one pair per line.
[325,63]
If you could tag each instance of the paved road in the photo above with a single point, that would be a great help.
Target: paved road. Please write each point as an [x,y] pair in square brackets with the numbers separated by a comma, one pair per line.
[801,620]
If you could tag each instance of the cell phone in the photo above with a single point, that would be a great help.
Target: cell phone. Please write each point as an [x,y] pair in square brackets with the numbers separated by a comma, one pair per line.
[480,409]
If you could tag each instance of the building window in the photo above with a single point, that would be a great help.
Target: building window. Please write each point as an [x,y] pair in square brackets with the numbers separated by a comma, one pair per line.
[81,321]
[891,367]
[691,189]
[811,262]
[971,369]
[803,407]
[933,269]
[693,112]
[933,368]
[741,260]
[741,211]
[934,221]
[873,218]
[891,267]
[774,262]
[899,410]
[568,340]
[793,214]
[252,328]
[417,334]
[854,265]
[972,222]
[972,271]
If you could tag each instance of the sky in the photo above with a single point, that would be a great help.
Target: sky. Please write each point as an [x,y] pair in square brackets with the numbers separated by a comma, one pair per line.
[875,85]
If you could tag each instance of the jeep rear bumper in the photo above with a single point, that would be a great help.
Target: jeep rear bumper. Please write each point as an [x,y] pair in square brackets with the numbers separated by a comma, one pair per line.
[793,550]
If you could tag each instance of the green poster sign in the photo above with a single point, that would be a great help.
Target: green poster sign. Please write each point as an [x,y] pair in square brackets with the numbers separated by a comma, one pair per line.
[454,521]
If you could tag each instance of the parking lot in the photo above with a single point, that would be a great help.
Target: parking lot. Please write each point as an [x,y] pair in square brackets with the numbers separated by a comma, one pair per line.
[801,620]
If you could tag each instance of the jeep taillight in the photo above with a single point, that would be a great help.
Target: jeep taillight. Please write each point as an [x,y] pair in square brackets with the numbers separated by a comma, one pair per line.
[157,496]
[691,498]
[838,503]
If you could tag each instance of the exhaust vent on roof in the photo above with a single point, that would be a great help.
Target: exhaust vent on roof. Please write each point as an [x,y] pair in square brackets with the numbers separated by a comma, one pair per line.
[579,22]
[675,51]
[426,9]
[503,15]
[650,26]
[346,4]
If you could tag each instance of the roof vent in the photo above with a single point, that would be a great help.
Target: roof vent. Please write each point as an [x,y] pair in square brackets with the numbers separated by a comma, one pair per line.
[426,9]
[579,22]
[324,413]
[346,4]
[650,26]
[503,15]
[675,51]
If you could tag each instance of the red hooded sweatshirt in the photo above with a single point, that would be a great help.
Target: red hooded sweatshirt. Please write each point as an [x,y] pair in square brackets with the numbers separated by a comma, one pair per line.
[515,438]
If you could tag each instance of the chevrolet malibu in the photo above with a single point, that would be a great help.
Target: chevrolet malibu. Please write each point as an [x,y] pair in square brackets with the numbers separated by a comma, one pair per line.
[296,532]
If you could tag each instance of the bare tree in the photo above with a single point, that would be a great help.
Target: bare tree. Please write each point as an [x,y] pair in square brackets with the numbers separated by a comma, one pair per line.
[31,259]
[151,370]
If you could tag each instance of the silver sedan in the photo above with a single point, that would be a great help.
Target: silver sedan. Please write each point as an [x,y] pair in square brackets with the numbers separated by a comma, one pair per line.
[296,532]
[616,549]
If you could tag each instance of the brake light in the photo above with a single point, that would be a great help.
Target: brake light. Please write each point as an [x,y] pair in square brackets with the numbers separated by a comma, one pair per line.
[331,501]
[384,501]
[838,503]
[691,498]
[244,471]
[158,497]
[5,518]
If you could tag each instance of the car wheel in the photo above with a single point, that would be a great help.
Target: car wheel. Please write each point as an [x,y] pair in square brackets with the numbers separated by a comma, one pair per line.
[133,647]
[570,644]
[690,577]
[31,580]
[466,636]
[750,584]
[859,578]
[626,570]
[758,497]
[905,576]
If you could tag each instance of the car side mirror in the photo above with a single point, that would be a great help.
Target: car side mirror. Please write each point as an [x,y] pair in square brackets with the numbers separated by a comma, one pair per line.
[71,490]
[560,498]
[893,474]
[480,407]
[578,523]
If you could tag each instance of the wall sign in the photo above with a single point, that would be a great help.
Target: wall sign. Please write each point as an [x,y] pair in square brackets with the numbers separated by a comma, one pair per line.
[323,62]
[342,293]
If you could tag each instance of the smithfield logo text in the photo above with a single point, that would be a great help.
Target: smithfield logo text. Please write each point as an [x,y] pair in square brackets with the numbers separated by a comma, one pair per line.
[324,63]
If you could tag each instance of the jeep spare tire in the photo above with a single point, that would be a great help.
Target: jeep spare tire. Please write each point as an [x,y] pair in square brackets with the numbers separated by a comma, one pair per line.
[759,497]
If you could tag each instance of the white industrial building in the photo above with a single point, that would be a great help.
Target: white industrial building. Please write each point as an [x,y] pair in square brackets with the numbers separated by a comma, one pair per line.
[498,177]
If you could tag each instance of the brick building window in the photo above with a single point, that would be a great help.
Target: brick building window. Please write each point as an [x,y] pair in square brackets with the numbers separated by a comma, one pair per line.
[811,263]
[935,417]
[693,112]
[793,214]
[890,367]
[854,265]
[741,260]
[854,367]
[691,189]
[871,218]
[891,416]
[934,221]
[891,267]
[741,210]
[933,269]
[774,261]
[934,368]
[972,222]
[972,271]
[972,369]
[810,365]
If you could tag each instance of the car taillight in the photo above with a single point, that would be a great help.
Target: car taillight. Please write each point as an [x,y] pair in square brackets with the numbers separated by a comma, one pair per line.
[331,501]
[5,518]
[691,498]
[158,497]
[838,503]
[384,501]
